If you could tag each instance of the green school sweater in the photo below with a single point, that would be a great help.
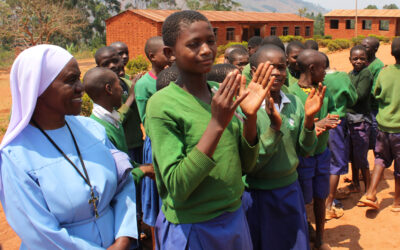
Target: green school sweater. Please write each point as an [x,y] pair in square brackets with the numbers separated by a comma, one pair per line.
[328,107]
[278,160]
[387,92]
[362,81]
[130,119]
[117,138]
[193,187]
[343,92]
[375,67]
[144,89]
[290,79]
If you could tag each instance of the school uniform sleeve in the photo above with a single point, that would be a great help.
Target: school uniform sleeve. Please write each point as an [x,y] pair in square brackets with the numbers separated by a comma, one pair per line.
[248,154]
[364,86]
[351,94]
[307,141]
[331,104]
[137,174]
[124,112]
[28,214]
[180,172]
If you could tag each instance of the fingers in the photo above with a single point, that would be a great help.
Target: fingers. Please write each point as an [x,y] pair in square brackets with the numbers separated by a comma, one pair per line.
[266,73]
[269,86]
[240,98]
[242,85]
[256,75]
[233,88]
[227,82]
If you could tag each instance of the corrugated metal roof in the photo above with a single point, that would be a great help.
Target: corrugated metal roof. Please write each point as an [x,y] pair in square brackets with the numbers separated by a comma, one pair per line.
[225,16]
[364,13]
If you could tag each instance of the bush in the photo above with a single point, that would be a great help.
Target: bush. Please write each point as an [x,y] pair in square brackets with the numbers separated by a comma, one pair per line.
[357,40]
[87,105]
[290,38]
[383,39]
[323,42]
[343,43]
[221,49]
[327,37]
[137,65]
[333,46]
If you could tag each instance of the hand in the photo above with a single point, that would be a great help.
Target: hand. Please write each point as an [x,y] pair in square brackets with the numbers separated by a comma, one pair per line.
[223,105]
[258,89]
[274,116]
[131,97]
[319,130]
[121,243]
[329,122]
[314,101]
[148,170]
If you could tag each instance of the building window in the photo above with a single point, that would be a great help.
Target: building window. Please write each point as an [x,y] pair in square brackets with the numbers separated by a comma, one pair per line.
[334,24]
[384,25]
[230,34]
[215,30]
[308,31]
[366,24]
[297,31]
[350,24]
[273,31]
[257,32]
[285,31]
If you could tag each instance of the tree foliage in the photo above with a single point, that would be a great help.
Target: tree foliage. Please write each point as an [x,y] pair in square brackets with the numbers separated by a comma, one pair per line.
[319,23]
[371,7]
[390,6]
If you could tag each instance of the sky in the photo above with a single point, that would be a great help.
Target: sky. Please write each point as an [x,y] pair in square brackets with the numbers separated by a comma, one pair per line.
[350,4]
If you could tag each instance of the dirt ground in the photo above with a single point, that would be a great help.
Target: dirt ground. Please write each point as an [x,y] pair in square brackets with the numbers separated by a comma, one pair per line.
[359,228]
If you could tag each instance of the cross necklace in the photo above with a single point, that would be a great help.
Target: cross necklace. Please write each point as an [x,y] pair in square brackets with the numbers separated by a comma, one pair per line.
[93,198]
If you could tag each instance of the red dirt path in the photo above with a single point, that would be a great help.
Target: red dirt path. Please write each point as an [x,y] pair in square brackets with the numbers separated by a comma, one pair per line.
[359,228]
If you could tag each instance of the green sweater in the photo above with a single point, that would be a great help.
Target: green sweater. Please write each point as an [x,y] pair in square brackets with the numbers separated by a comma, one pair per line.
[193,187]
[375,67]
[144,89]
[247,73]
[117,138]
[387,92]
[328,107]
[343,92]
[362,81]
[130,119]
[278,160]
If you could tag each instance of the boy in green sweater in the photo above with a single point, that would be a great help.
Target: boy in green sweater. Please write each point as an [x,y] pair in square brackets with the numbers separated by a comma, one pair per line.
[292,52]
[273,199]
[359,118]
[102,86]
[107,57]
[199,149]
[146,86]
[388,139]
[314,170]
[344,95]
[123,52]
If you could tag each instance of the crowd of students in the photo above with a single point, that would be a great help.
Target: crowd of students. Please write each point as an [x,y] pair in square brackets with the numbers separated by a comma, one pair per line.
[234,152]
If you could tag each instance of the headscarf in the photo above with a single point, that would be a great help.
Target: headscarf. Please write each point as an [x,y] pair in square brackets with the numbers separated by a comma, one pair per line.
[31,74]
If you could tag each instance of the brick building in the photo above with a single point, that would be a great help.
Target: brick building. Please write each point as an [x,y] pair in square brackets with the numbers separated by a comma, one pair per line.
[341,23]
[134,27]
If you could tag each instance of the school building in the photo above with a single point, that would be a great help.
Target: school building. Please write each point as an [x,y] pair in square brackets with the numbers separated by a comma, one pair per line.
[341,23]
[134,27]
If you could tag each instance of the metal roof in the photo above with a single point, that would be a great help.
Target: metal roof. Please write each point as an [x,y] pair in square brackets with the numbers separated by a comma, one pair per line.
[364,13]
[224,16]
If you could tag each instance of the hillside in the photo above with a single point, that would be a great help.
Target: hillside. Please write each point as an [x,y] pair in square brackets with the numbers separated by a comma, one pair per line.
[284,6]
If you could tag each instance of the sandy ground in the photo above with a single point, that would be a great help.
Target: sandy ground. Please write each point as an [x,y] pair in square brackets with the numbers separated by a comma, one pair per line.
[359,228]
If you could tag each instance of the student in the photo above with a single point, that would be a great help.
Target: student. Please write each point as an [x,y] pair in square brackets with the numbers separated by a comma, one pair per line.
[273,199]
[292,52]
[387,143]
[359,118]
[314,170]
[344,95]
[371,45]
[108,57]
[123,52]
[199,163]
[238,58]
[253,44]
[230,49]
[311,44]
[219,72]
[146,86]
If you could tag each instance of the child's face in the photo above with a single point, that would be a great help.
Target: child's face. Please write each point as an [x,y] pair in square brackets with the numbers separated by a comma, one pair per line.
[358,59]
[195,48]
[318,71]
[253,50]
[123,52]
[369,47]
[111,61]
[278,60]
[241,61]
[159,59]
[292,58]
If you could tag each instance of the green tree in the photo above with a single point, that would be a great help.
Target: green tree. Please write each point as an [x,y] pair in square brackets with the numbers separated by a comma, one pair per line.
[319,23]
[226,5]
[391,6]
[371,7]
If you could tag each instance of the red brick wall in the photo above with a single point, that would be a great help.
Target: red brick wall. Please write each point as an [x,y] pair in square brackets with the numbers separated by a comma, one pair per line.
[279,28]
[342,32]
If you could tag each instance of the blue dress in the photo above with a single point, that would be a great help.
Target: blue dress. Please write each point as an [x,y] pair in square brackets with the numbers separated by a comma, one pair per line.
[46,201]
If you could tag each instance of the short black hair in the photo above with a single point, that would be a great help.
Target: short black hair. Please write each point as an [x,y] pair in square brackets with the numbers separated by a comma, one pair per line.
[95,80]
[294,44]
[396,48]
[311,44]
[358,47]
[374,41]
[236,52]
[219,72]
[103,50]
[274,40]
[306,58]
[118,44]
[254,41]
[256,57]
[172,25]
[166,76]
[152,44]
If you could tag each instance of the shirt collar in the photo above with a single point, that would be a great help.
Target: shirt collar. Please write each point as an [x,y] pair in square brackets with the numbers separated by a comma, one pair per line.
[284,100]
[105,115]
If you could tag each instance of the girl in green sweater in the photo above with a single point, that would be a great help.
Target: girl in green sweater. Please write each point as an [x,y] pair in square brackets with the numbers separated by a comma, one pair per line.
[200,150]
